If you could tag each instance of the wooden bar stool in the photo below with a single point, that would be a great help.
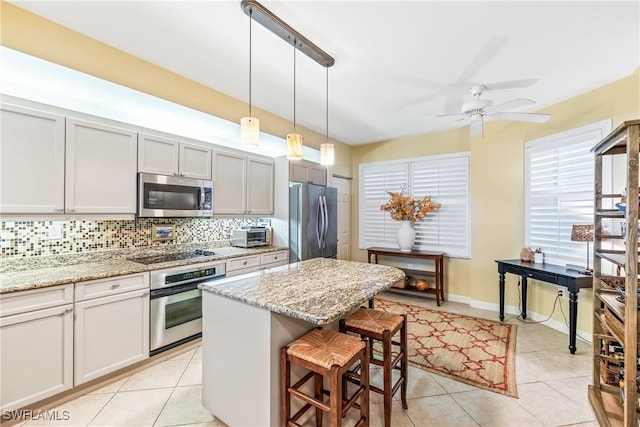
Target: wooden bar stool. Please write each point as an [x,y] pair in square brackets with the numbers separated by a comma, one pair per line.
[382,326]
[325,353]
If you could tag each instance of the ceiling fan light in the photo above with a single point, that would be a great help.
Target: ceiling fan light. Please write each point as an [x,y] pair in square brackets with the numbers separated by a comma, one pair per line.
[327,154]
[294,146]
[249,132]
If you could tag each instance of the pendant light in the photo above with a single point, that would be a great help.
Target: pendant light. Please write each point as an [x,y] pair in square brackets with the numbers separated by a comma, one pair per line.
[327,156]
[249,126]
[294,140]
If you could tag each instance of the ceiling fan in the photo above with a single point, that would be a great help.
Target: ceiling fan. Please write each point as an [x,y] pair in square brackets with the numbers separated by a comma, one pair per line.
[473,113]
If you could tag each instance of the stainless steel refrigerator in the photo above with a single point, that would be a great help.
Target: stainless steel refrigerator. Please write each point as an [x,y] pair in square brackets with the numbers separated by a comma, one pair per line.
[313,214]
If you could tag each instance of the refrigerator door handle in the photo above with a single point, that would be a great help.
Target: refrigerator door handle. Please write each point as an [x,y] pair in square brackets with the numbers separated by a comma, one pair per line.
[319,221]
[326,222]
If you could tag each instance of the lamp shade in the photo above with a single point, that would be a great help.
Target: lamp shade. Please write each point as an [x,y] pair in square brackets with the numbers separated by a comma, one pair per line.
[294,146]
[249,132]
[327,156]
[582,233]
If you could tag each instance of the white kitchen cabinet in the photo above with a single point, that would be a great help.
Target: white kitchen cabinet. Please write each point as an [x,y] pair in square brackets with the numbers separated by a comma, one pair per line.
[242,265]
[307,172]
[31,161]
[172,157]
[111,328]
[242,184]
[101,167]
[37,345]
[274,259]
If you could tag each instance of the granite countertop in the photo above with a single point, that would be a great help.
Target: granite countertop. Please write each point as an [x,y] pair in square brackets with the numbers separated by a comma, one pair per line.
[318,290]
[26,274]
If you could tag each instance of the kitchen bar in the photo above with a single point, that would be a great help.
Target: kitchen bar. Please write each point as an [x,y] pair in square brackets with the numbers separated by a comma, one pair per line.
[247,319]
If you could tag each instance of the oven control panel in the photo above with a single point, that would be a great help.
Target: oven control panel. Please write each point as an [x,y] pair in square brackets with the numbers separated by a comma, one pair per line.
[186,274]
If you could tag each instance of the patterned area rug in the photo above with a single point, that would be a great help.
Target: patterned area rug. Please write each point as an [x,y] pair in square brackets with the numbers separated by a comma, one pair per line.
[475,351]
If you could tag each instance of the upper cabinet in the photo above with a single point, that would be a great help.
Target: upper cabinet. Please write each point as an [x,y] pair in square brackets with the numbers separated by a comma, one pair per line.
[55,165]
[242,184]
[31,160]
[307,172]
[171,157]
[101,166]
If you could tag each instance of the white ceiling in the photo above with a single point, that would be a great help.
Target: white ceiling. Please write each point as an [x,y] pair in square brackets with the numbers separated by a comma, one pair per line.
[396,62]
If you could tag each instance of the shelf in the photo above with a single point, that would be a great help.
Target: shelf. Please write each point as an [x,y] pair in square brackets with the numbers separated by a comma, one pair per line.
[610,213]
[422,273]
[611,236]
[617,257]
[606,406]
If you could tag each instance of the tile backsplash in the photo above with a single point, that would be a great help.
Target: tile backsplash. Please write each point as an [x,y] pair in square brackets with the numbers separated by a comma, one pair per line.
[38,238]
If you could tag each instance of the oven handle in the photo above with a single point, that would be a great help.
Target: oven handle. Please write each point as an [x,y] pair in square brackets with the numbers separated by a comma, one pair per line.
[172,290]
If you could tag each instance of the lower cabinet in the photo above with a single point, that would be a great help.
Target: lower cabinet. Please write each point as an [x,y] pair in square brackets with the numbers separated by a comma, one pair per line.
[251,263]
[111,331]
[36,357]
[55,338]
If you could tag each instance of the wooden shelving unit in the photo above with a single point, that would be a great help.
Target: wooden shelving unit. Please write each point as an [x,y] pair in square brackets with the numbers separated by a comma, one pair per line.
[615,322]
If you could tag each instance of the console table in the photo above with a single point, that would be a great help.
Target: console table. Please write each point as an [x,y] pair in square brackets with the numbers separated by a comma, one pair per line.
[436,276]
[550,273]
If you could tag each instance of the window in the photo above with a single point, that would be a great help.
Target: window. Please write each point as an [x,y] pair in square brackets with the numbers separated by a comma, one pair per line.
[445,178]
[559,182]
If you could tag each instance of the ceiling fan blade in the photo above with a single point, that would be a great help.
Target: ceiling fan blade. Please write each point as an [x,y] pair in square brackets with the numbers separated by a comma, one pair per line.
[521,117]
[476,126]
[514,103]
[483,57]
[460,120]
[453,104]
[513,84]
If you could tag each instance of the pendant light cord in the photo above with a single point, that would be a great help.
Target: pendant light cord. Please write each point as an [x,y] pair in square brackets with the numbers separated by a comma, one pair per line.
[294,85]
[250,40]
[327,124]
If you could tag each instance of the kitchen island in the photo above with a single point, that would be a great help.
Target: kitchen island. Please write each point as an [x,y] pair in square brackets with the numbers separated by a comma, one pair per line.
[247,319]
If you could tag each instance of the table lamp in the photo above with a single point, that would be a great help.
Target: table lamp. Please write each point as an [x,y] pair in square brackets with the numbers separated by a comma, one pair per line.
[583,233]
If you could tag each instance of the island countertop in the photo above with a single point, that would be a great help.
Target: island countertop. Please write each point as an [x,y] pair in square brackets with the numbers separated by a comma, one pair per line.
[318,290]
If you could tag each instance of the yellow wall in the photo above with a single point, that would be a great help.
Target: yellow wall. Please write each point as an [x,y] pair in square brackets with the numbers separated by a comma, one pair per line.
[497,189]
[496,159]
[25,32]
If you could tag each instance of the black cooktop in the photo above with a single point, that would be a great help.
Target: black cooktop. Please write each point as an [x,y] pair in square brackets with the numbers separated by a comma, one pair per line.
[158,259]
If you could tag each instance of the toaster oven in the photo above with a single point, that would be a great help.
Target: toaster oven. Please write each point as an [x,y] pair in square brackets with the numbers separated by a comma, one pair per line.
[250,236]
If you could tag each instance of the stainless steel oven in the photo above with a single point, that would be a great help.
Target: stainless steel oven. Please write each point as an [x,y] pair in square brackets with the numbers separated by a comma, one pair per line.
[176,304]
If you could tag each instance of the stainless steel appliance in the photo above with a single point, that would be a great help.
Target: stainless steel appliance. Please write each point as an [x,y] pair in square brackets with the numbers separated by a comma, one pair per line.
[173,196]
[250,236]
[313,228]
[176,301]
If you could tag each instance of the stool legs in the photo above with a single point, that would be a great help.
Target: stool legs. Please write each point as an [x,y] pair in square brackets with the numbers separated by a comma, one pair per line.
[405,359]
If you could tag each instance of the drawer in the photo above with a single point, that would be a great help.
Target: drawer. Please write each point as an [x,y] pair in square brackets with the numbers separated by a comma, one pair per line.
[244,262]
[111,286]
[274,257]
[243,271]
[24,301]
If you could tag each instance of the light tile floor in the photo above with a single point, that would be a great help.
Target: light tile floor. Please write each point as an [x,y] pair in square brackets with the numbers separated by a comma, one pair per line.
[552,388]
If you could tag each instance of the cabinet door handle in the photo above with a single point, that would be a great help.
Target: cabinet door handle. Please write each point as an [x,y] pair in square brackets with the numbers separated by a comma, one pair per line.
[115,286]
[244,263]
[60,209]
[275,257]
[72,210]
[146,294]
[67,311]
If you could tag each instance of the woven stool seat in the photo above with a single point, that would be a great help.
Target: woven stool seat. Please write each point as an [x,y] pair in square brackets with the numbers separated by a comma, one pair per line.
[374,320]
[326,348]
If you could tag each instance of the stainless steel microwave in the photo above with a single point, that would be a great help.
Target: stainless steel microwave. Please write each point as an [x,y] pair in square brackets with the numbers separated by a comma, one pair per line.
[172,196]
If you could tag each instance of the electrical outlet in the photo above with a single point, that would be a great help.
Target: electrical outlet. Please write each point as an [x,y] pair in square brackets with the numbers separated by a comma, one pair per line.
[560,293]
[410,266]
[55,231]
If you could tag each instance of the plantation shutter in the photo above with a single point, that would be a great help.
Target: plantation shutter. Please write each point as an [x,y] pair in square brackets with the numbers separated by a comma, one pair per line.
[446,180]
[376,180]
[559,188]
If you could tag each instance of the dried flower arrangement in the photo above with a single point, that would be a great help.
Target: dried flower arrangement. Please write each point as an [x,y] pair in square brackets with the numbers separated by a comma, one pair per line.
[406,208]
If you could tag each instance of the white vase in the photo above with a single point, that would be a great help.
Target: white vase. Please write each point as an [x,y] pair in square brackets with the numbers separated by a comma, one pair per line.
[406,236]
